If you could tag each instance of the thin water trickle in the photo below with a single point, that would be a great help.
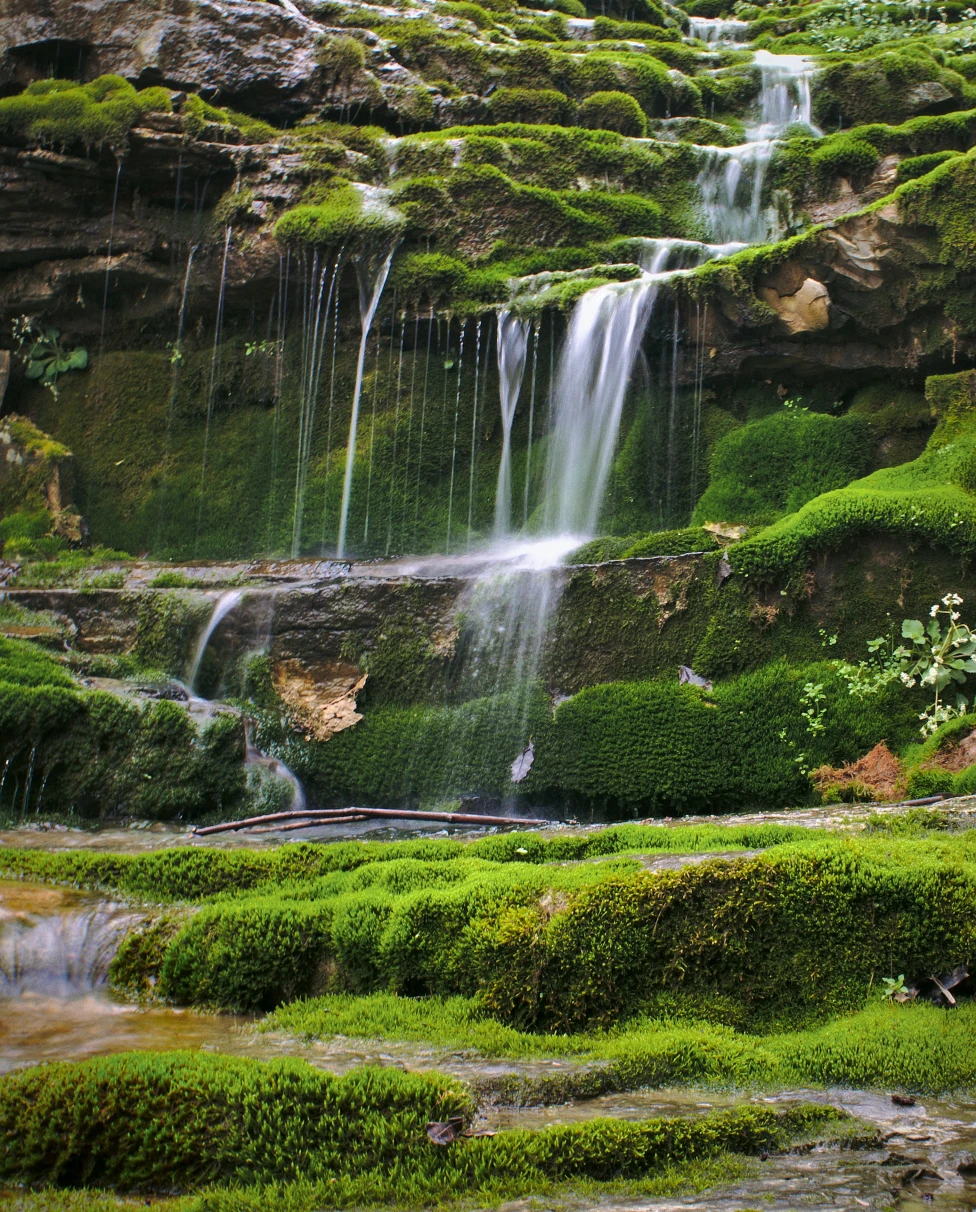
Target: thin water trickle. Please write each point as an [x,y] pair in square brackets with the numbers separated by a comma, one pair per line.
[108,258]
[315,339]
[396,434]
[474,430]
[457,414]
[512,347]
[212,389]
[222,608]
[372,272]
[176,361]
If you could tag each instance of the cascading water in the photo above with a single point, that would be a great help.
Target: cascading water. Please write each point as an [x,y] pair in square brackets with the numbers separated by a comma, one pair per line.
[372,272]
[717,31]
[59,955]
[513,344]
[732,179]
[222,608]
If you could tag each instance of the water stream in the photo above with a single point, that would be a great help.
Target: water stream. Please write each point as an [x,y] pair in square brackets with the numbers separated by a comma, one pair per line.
[513,344]
[372,273]
[227,601]
[732,179]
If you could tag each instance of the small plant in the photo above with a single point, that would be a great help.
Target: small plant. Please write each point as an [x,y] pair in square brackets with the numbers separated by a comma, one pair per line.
[43,355]
[814,700]
[943,650]
[894,989]
[942,654]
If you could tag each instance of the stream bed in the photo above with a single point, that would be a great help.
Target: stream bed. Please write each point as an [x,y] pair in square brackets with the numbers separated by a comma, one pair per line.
[56,945]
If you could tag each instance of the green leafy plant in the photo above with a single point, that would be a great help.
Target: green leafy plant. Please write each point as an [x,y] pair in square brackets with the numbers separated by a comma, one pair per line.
[942,654]
[43,355]
[943,650]
[894,989]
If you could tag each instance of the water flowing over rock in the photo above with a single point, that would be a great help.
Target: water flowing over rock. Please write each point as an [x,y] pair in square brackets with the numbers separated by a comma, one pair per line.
[61,954]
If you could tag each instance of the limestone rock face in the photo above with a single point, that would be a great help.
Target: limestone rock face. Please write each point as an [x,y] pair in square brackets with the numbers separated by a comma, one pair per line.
[806,309]
[248,49]
[262,55]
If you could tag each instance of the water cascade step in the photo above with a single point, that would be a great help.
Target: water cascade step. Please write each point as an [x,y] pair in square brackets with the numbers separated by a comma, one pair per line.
[732,179]
[62,954]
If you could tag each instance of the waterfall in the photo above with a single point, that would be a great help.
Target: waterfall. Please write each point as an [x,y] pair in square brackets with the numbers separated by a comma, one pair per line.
[222,608]
[257,758]
[512,346]
[59,955]
[717,31]
[731,179]
[605,334]
[313,356]
[785,98]
[372,273]
[528,445]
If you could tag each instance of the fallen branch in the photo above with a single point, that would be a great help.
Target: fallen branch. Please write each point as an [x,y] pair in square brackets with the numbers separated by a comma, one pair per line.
[325,816]
[929,799]
[307,824]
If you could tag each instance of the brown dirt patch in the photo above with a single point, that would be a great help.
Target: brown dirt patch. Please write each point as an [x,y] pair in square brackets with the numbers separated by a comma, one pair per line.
[955,756]
[878,773]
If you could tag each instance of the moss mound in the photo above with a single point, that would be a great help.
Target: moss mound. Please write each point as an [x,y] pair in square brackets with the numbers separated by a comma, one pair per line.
[136,1121]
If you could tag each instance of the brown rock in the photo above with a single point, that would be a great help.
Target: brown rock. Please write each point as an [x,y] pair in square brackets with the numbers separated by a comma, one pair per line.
[806,309]
[321,699]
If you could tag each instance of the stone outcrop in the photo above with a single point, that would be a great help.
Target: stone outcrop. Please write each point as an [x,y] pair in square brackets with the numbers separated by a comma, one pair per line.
[852,297]
[260,55]
[320,698]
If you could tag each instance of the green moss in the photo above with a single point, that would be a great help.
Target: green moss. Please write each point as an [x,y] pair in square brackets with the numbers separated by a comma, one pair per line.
[877,87]
[920,166]
[563,946]
[343,219]
[544,105]
[613,111]
[93,754]
[36,477]
[197,873]
[913,1047]
[777,464]
[355,1139]
[63,113]
[199,113]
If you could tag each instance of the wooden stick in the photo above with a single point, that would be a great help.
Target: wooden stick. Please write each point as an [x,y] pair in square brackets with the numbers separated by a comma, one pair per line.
[326,815]
[306,824]
[291,815]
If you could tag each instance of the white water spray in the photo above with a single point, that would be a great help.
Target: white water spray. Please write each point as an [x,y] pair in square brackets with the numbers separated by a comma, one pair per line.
[513,344]
[372,273]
